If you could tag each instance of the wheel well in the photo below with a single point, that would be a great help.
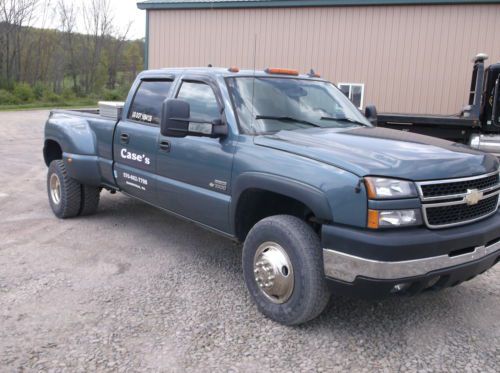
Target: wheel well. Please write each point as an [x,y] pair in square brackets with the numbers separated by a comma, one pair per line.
[256,204]
[51,151]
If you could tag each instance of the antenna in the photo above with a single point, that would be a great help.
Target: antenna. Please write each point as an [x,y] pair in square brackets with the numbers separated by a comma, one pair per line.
[253,80]
[254,52]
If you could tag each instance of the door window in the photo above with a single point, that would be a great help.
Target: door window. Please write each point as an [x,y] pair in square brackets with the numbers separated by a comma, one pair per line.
[202,100]
[146,106]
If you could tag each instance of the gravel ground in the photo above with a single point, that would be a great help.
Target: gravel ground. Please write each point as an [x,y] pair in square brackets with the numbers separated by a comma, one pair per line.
[133,289]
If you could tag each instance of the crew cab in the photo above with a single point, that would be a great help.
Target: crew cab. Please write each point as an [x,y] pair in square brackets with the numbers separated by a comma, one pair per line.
[323,201]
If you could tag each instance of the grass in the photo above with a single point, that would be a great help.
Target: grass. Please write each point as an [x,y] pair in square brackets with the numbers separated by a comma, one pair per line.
[84,102]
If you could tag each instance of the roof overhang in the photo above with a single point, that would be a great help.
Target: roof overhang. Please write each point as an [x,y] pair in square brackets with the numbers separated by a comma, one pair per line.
[231,4]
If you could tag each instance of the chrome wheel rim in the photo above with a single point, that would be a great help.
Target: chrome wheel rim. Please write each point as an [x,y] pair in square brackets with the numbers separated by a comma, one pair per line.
[273,272]
[55,189]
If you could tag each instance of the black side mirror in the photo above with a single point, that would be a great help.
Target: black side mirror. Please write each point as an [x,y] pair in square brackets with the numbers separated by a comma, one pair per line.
[371,114]
[175,118]
[176,121]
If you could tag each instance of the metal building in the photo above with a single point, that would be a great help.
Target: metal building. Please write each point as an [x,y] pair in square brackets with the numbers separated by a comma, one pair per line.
[402,55]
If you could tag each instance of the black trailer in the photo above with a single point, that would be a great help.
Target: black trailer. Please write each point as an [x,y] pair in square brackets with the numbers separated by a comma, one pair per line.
[478,124]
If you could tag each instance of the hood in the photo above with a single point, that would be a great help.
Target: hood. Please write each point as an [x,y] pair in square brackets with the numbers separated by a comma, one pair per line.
[383,152]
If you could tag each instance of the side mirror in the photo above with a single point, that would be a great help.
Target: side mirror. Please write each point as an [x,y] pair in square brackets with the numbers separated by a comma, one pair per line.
[176,122]
[175,118]
[371,114]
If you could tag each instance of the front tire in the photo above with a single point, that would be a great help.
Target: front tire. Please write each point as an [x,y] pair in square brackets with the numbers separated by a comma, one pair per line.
[283,270]
[65,193]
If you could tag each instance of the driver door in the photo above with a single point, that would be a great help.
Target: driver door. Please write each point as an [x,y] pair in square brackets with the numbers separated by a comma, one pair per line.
[194,173]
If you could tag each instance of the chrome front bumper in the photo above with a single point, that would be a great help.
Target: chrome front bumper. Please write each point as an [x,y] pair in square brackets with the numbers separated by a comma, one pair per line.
[347,267]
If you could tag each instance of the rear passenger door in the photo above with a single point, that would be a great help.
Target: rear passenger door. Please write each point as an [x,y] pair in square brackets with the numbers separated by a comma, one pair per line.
[136,139]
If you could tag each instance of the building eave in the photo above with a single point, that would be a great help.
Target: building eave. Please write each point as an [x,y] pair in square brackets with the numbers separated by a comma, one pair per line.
[218,4]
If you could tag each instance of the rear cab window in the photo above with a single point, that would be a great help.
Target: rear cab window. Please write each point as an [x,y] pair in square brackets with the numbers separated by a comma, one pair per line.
[148,100]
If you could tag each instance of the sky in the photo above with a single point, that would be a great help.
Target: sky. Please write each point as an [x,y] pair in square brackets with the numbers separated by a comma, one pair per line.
[124,11]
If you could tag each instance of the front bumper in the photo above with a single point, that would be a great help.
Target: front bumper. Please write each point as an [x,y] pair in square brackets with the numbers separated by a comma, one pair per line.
[374,264]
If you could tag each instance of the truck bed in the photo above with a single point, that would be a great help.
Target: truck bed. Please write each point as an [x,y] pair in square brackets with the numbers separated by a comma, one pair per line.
[79,112]
[448,127]
[427,119]
[88,136]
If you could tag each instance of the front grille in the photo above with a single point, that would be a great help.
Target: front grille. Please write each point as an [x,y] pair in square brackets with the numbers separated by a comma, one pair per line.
[452,214]
[458,187]
[445,202]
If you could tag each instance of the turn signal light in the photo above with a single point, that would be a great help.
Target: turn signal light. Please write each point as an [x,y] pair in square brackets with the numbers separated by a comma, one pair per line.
[370,189]
[272,70]
[373,221]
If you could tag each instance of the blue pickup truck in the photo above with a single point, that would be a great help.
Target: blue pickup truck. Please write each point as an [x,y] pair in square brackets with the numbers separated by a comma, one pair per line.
[324,201]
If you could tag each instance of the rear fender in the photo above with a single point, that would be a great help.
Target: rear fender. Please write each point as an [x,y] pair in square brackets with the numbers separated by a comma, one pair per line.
[73,134]
[78,144]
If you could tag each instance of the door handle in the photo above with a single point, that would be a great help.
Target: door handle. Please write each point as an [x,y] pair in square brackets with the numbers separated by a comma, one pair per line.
[165,146]
[124,138]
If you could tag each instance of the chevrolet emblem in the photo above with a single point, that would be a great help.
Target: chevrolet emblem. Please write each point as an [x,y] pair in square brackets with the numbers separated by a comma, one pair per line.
[473,196]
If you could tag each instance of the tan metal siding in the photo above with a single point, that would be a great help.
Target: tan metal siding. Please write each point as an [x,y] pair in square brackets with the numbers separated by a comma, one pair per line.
[410,58]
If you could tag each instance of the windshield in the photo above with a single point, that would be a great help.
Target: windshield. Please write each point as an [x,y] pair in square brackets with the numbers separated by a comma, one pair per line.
[267,105]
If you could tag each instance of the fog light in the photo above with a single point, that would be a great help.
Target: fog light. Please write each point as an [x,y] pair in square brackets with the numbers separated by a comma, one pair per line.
[400,287]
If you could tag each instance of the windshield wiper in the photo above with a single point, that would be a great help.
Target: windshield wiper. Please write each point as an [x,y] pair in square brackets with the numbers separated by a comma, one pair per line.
[287,119]
[344,119]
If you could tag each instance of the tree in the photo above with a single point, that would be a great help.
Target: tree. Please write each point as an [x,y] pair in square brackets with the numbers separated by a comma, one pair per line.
[134,59]
[115,48]
[67,16]
[14,15]
[97,20]
[49,59]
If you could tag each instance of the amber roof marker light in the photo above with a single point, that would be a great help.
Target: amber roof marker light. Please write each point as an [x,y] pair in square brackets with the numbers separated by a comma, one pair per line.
[313,74]
[280,71]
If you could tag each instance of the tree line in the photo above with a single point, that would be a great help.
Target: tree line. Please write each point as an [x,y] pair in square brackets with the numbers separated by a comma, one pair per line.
[86,56]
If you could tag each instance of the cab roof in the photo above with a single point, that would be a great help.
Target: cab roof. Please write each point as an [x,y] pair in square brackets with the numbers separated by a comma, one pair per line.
[219,72]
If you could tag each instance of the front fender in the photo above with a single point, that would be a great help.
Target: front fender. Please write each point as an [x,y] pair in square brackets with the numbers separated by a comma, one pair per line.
[312,197]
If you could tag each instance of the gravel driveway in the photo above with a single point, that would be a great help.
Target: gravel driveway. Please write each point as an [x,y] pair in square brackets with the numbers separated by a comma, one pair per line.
[133,289]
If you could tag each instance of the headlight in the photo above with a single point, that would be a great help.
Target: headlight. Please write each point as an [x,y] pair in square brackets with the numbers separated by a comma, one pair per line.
[393,218]
[381,188]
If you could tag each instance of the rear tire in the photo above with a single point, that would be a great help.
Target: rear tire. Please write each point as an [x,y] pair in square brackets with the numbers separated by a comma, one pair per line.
[65,193]
[283,270]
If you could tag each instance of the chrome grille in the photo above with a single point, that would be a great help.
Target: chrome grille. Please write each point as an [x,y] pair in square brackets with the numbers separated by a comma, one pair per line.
[445,189]
[443,215]
[447,203]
